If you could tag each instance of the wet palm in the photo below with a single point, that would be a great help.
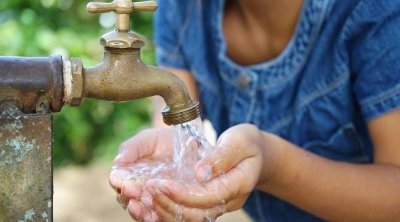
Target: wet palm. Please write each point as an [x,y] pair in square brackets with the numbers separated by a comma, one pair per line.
[147,155]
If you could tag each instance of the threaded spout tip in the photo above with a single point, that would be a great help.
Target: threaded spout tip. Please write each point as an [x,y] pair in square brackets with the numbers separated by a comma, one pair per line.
[175,117]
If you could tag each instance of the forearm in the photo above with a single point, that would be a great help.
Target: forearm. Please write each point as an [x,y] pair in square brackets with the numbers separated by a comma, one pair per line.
[335,191]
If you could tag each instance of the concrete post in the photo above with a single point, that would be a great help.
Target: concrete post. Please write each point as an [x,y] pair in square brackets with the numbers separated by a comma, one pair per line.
[26,174]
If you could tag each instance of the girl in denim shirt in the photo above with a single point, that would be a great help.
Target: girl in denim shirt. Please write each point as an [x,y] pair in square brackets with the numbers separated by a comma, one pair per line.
[305,98]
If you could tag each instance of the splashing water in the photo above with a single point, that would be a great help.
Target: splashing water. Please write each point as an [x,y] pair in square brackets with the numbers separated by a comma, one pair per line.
[189,146]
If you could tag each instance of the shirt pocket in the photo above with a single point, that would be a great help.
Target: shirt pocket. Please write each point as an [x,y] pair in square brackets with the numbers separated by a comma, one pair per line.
[344,145]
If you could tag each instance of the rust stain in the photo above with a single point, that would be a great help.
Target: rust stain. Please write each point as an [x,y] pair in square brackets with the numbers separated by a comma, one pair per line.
[34,84]
[18,147]
[13,145]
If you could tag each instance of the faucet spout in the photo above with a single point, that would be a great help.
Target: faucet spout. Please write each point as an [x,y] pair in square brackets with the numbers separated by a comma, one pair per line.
[122,76]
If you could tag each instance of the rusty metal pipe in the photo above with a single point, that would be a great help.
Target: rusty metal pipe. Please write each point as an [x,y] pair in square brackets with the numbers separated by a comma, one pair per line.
[35,85]
[122,76]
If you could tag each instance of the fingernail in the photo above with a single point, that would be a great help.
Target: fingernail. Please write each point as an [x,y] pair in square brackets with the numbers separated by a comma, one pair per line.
[117,177]
[119,157]
[205,173]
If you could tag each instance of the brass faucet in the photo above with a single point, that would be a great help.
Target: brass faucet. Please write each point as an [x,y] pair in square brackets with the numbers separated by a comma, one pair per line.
[122,75]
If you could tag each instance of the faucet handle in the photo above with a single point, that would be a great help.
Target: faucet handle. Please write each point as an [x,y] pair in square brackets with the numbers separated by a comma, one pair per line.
[122,8]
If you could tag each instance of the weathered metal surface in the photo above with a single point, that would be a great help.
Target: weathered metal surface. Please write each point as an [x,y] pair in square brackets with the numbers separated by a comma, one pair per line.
[34,84]
[26,185]
[73,81]
[123,76]
[121,37]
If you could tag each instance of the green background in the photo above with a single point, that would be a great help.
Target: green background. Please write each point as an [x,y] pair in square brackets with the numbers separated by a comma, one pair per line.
[94,130]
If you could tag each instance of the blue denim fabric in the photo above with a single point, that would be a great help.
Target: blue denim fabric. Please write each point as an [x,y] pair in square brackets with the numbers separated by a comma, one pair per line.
[340,70]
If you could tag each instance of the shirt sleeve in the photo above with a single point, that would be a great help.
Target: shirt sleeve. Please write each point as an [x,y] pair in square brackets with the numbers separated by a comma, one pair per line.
[169,28]
[375,57]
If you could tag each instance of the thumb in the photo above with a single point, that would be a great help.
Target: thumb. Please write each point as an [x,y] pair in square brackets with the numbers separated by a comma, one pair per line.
[229,152]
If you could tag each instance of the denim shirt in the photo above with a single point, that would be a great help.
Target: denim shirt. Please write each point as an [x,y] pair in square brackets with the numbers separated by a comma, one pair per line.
[340,70]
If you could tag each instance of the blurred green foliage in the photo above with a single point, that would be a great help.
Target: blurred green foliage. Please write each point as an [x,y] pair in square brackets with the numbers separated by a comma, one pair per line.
[46,27]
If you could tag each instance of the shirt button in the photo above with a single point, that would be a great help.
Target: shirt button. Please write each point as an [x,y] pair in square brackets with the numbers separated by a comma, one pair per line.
[244,81]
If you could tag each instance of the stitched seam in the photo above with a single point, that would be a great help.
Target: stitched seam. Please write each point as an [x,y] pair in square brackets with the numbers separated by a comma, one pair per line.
[381,97]
[332,137]
[353,137]
[313,38]
[282,56]
[308,99]
[252,103]
[318,93]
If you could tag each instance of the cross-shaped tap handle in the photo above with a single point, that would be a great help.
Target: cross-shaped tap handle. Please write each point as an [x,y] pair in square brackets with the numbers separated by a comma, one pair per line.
[123,9]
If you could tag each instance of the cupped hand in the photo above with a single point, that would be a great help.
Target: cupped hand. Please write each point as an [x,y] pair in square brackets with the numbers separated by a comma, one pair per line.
[227,176]
[138,161]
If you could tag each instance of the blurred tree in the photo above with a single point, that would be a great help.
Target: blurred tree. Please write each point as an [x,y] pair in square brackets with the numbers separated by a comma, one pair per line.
[46,27]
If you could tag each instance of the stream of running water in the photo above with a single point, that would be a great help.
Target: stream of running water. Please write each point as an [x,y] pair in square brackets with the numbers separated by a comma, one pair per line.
[189,146]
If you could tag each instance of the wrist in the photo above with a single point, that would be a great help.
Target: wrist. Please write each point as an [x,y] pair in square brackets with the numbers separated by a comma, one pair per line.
[272,161]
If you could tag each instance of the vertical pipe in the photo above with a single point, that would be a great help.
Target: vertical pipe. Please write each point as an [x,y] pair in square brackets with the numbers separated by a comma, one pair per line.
[123,22]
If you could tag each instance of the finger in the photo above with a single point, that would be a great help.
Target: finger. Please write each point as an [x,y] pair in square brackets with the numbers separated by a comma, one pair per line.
[228,154]
[165,215]
[151,217]
[171,211]
[117,177]
[141,213]
[132,188]
[141,208]
[146,199]
[221,189]
[189,195]
[134,209]
[140,145]
[236,203]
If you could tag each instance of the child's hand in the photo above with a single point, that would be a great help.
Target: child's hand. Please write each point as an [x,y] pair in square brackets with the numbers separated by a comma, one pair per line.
[228,175]
[150,146]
